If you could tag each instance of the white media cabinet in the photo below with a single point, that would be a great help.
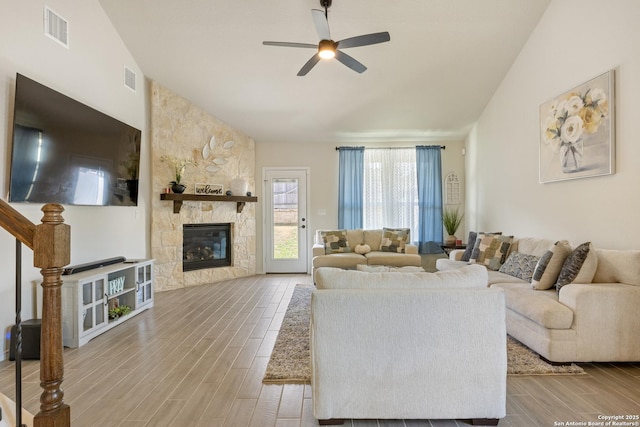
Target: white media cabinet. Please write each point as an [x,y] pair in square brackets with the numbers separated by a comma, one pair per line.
[86,296]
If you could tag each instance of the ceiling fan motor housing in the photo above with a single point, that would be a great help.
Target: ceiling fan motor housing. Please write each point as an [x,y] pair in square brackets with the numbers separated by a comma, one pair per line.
[327,45]
[325,3]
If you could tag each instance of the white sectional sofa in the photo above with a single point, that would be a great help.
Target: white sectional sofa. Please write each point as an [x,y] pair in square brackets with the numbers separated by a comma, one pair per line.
[593,318]
[339,248]
[396,345]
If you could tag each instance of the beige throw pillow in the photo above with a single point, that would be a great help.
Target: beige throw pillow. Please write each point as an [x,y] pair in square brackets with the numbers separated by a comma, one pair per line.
[549,266]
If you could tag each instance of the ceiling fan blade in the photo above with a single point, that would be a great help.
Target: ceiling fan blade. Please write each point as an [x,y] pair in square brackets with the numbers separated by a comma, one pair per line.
[321,23]
[290,44]
[364,40]
[350,62]
[309,65]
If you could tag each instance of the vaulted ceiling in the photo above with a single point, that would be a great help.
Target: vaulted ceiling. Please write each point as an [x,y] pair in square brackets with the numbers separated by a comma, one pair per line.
[429,83]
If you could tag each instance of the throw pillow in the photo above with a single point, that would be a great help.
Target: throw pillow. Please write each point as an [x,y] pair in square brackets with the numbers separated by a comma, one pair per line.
[520,265]
[335,242]
[546,272]
[491,250]
[471,241]
[394,239]
[579,267]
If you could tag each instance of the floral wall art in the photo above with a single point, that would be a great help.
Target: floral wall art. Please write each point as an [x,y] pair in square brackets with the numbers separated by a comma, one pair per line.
[577,132]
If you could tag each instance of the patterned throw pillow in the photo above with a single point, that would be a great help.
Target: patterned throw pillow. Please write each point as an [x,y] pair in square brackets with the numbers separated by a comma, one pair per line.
[520,265]
[471,241]
[394,239]
[335,242]
[546,272]
[491,250]
[579,267]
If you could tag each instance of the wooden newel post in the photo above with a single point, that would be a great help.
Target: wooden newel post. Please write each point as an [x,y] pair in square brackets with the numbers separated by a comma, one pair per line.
[51,252]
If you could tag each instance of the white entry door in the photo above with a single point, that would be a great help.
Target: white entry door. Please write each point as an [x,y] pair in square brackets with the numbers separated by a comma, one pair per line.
[286,230]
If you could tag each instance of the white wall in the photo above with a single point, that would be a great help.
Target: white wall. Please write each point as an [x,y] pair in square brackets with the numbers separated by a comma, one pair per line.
[322,161]
[90,71]
[575,41]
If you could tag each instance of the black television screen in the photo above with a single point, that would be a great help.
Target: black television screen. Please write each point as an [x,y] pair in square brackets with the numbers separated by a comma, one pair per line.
[69,153]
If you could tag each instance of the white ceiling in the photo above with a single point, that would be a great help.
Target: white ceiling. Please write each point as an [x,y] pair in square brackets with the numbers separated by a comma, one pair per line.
[430,82]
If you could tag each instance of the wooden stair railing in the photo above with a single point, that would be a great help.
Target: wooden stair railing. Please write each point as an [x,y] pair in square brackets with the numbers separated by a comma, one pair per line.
[50,242]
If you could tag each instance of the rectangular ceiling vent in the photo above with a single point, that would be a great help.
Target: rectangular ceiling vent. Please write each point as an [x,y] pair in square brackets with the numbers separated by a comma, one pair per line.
[56,27]
[129,78]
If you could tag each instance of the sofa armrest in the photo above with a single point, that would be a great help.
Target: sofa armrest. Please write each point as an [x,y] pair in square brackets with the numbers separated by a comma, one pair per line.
[456,254]
[318,250]
[385,363]
[605,317]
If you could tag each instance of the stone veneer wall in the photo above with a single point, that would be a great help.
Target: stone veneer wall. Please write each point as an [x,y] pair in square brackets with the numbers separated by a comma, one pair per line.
[181,129]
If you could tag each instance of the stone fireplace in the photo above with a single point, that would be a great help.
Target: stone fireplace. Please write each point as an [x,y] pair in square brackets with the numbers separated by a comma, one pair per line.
[181,129]
[206,246]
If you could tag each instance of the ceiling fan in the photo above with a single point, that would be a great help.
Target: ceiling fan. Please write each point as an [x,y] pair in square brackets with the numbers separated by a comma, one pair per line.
[327,48]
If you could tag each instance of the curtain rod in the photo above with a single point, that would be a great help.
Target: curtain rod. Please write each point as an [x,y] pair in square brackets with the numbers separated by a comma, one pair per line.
[443,147]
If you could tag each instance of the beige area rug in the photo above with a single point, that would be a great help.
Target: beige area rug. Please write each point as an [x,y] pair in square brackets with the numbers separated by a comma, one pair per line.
[289,363]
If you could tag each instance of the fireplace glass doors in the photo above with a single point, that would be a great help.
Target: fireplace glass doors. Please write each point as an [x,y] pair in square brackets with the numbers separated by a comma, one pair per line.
[206,246]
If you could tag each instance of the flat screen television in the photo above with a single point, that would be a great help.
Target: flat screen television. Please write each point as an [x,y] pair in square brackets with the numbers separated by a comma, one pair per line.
[66,152]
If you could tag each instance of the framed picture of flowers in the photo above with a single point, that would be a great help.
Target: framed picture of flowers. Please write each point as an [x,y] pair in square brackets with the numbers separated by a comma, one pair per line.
[577,132]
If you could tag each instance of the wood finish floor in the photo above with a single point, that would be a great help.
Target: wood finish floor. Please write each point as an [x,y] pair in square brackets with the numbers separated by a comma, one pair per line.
[198,357]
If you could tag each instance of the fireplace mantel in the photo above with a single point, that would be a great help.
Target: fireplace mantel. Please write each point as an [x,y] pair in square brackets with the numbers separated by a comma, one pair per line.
[179,198]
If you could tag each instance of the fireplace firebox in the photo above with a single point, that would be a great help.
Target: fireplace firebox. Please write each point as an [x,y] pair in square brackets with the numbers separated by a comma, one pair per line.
[206,246]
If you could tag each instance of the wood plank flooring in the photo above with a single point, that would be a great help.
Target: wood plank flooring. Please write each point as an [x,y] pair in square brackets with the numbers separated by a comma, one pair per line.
[198,357]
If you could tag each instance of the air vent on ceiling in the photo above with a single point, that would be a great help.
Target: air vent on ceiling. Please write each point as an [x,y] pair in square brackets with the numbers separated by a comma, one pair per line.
[56,27]
[129,79]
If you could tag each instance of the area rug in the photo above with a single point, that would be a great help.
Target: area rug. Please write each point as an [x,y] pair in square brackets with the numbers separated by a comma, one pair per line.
[289,362]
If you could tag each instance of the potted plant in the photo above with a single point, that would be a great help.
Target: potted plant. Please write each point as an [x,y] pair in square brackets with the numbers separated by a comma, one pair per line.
[179,166]
[117,312]
[451,219]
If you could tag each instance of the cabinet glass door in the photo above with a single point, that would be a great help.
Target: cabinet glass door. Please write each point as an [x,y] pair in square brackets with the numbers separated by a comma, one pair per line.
[93,308]
[144,284]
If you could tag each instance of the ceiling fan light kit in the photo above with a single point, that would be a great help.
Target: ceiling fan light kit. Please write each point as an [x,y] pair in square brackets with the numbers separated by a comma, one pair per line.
[327,48]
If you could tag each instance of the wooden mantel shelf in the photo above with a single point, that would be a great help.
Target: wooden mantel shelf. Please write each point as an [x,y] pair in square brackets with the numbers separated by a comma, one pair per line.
[179,198]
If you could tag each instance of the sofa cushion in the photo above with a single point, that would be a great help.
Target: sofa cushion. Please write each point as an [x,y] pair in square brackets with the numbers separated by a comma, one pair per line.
[372,238]
[335,241]
[342,260]
[472,276]
[385,268]
[497,277]
[617,266]
[548,267]
[531,245]
[541,307]
[392,258]
[443,264]
[394,239]
[355,237]
[491,250]
[520,265]
[579,267]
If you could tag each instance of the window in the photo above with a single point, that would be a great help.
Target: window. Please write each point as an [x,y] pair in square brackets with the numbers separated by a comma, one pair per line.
[390,189]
